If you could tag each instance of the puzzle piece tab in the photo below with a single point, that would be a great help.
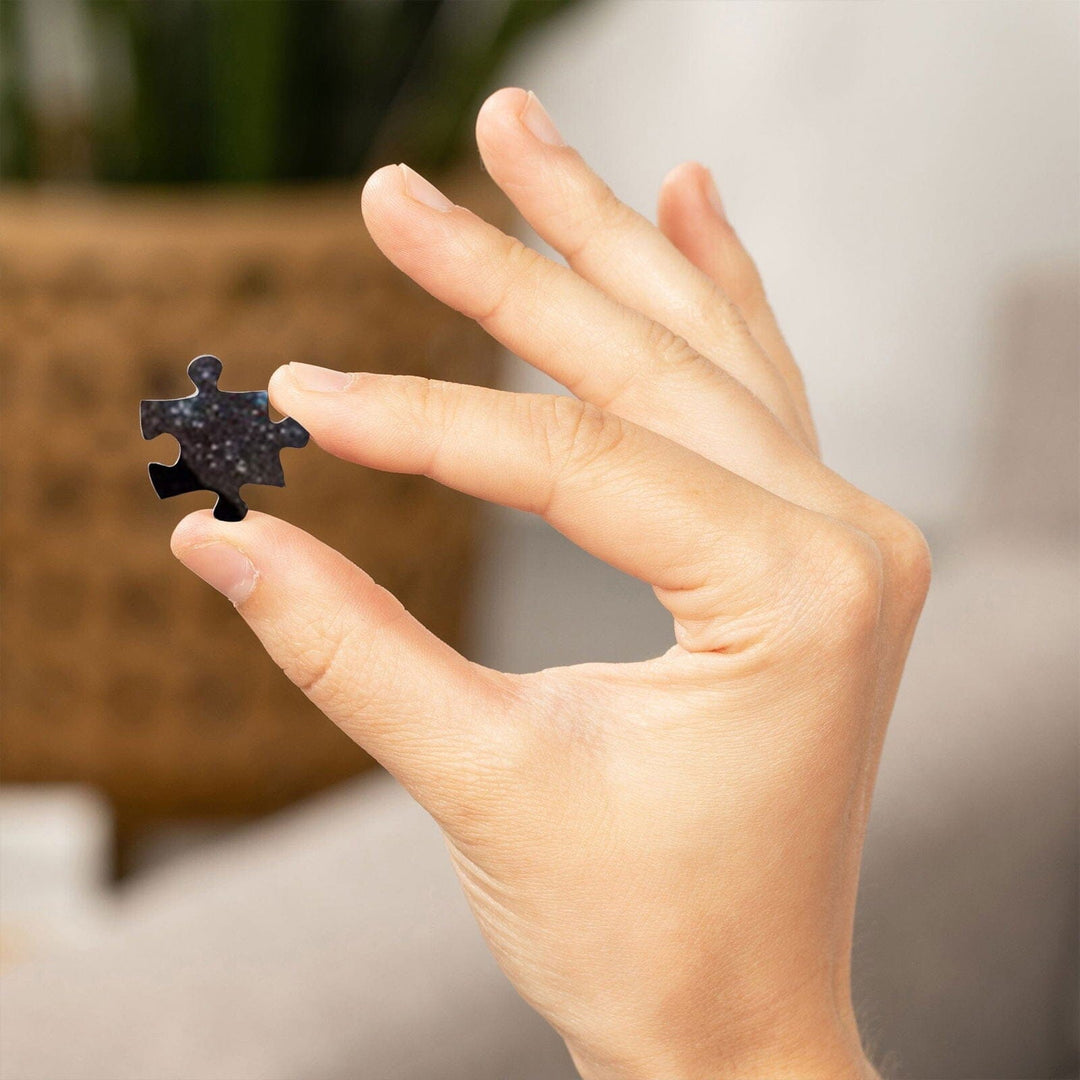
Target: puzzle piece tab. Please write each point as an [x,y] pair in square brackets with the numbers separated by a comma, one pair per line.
[226,440]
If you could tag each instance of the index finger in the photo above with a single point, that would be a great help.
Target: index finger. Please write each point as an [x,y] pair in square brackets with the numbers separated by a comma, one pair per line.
[715,545]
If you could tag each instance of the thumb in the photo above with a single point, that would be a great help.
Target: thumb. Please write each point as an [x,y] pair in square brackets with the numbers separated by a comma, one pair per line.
[417,706]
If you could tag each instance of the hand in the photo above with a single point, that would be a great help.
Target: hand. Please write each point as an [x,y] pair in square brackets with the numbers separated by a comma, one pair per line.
[663,856]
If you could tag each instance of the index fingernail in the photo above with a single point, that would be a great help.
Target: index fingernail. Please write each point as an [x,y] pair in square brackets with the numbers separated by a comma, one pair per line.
[535,117]
[313,377]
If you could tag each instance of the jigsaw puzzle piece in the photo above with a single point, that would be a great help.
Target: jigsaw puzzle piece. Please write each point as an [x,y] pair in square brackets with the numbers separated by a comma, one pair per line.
[290,433]
[226,440]
[178,479]
[170,480]
[204,372]
[152,419]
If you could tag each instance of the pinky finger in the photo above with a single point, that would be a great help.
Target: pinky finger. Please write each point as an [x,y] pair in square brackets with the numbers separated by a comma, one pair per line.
[691,216]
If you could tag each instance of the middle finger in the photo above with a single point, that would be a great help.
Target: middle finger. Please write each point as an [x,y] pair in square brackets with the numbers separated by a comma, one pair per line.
[617,249]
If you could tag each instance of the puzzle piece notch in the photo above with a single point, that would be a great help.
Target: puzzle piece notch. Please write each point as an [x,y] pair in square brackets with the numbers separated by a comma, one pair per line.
[226,440]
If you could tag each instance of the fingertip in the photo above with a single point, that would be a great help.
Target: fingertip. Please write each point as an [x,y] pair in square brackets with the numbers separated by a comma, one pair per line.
[499,131]
[685,175]
[195,529]
[690,188]
[201,527]
[506,103]
[516,135]
[384,182]
[279,389]
[383,206]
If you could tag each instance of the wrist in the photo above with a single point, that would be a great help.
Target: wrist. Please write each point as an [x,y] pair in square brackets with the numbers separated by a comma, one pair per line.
[826,1054]
[812,1067]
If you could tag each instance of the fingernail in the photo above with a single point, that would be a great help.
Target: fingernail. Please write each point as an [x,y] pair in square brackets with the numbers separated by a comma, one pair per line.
[423,191]
[535,117]
[224,567]
[313,377]
[713,195]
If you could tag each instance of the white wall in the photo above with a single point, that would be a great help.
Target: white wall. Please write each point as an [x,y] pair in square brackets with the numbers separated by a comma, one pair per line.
[894,167]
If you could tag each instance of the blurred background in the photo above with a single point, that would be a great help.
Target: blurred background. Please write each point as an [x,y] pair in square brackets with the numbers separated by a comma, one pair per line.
[202,878]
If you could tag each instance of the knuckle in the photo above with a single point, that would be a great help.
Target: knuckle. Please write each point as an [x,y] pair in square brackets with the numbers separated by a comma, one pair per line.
[595,214]
[438,403]
[908,559]
[520,260]
[519,265]
[411,398]
[426,406]
[668,351]
[848,576]
[313,666]
[336,660]
[606,207]
[316,664]
[574,434]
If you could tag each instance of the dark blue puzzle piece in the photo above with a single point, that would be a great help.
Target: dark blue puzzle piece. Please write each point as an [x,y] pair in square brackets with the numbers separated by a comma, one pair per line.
[226,440]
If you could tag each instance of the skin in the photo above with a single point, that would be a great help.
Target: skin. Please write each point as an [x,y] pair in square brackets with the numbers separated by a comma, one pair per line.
[663,856]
